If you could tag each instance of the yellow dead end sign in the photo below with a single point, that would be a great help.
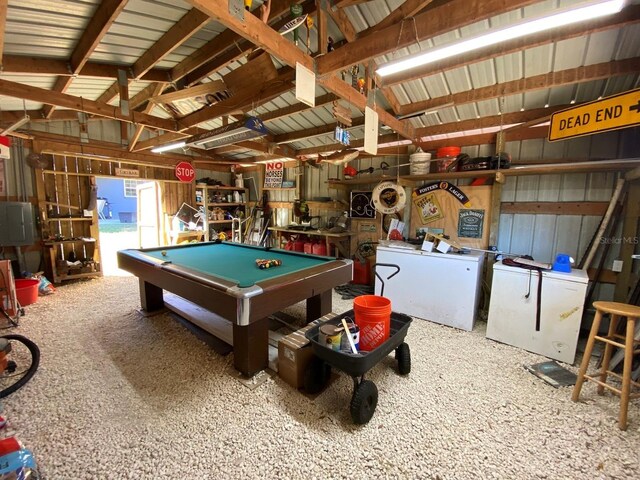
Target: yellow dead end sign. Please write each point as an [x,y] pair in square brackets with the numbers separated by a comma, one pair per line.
[611,113]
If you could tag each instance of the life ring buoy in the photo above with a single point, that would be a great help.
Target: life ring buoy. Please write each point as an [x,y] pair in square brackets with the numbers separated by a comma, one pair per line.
[388,197]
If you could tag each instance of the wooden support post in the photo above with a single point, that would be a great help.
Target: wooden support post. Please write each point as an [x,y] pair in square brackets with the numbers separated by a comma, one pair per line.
[628,241]
[322,26]
[494,226]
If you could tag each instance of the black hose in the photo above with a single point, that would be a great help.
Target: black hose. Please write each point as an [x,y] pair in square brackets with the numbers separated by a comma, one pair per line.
[35,361]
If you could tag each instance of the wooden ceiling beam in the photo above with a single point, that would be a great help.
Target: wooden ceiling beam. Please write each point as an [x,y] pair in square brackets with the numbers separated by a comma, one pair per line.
[313,132]
[629,15]
[150,91]
[445,18]
[351,95]
[199,90]
[58,99]
[341,19]
[3,24]
[48,66]
[237,50]
[103,17]
[383,139]
[321,24]
[407,10]
[243,100]
[297,108]
[486,122]
[166,138]
[221,43]
[191,22]
[254,30]
[173,38]
[547,80]
[348,3]
[269,149]
[346,27]
[483,139]
[261,35]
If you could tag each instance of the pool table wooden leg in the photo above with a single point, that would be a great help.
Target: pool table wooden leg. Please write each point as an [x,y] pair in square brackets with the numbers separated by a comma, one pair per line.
[150,297]
[251,347]
[319,305]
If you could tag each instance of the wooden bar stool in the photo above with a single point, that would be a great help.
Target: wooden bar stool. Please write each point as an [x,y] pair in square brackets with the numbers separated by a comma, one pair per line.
[616,310]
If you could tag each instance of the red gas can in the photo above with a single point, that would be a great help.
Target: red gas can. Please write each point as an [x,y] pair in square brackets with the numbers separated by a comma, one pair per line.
[308,247]
[320,249]
[289,245]
[298,245]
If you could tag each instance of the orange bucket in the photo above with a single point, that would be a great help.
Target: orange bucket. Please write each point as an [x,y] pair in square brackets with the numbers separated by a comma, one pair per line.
[373,317]
[27,291]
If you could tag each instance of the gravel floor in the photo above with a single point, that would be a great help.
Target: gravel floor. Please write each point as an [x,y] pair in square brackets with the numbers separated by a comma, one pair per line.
[119,396]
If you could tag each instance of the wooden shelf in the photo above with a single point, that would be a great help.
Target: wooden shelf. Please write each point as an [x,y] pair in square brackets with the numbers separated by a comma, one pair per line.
[518,170]
[76,276]
[70,219]
[213,187]
[60,242]
[225,206]
[279,188]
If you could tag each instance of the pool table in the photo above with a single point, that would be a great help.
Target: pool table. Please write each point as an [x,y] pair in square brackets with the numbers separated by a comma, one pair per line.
[224,279]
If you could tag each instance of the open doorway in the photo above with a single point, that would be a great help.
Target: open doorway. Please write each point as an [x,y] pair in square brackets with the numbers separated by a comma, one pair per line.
[118,220]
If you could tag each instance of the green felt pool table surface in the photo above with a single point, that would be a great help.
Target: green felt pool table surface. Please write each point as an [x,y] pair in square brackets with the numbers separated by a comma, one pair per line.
[236,262]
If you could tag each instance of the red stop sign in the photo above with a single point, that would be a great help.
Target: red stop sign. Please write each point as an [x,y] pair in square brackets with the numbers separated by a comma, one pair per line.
[185,172]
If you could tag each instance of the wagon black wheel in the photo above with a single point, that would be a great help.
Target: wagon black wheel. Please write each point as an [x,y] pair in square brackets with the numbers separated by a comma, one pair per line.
[22,360]
[364,402]
[403,355]
[316,375]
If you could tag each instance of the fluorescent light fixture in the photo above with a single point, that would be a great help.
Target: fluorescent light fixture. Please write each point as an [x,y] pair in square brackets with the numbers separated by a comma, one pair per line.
[250,127]
[16,125]
[567,16]
[168,146]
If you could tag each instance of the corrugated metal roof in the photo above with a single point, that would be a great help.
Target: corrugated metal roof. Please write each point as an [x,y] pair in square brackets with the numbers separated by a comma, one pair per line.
[46,28]
[51,28]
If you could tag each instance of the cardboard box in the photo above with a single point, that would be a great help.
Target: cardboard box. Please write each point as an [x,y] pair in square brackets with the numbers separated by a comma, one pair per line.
[295,353]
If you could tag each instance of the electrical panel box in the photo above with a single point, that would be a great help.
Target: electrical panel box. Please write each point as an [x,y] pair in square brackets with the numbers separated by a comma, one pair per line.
[17,224]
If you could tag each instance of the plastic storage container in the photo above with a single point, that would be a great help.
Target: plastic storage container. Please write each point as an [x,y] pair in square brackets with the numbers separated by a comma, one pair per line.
[373,316]
[446,156]
[419,162]
[27,291]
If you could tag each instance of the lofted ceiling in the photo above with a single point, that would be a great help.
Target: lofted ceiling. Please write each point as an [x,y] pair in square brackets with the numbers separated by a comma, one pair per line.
[64,56]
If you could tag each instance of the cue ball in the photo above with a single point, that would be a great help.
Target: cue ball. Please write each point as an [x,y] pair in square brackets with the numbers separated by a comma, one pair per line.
[164,253]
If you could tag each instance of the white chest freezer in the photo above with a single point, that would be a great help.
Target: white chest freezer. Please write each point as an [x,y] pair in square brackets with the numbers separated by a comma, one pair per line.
[514,304]
[441,287]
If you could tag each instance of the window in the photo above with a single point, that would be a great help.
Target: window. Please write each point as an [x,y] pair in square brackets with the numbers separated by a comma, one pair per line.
[130,188]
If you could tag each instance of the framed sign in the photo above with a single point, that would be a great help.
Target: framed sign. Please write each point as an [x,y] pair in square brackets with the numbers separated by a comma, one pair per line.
[274,172]
[470,223]
[429,208]
[361,205]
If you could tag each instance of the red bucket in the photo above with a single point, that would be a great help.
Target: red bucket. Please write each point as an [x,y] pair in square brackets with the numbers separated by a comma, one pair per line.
[373,317]
[27,291]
